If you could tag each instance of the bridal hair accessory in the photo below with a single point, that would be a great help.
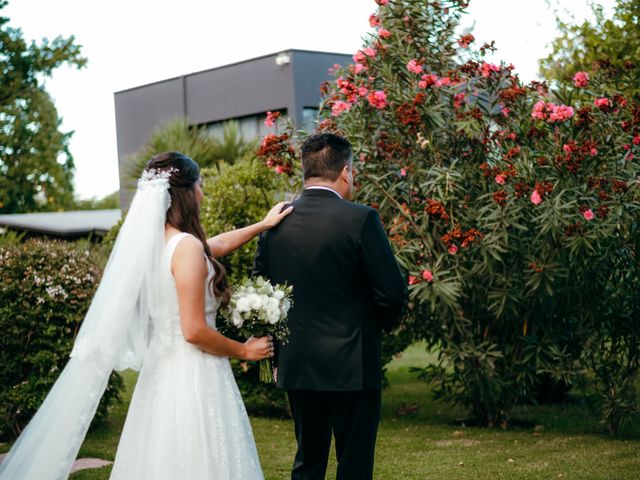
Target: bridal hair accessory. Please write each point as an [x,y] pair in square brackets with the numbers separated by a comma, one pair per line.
[113,336]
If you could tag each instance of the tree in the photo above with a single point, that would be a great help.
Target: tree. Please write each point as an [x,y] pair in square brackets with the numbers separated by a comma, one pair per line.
[197,142]
[36,167]
[613,43]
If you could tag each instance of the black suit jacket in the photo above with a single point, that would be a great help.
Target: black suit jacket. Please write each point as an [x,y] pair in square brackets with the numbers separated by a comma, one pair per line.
[347,287]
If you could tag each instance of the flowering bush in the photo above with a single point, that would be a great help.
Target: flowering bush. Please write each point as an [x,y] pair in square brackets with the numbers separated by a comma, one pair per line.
[513,208]
[45,292]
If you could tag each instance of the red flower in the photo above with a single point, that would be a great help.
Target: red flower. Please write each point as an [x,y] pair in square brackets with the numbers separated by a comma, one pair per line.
[500,197]
[465,40]
[427,275]
[383,33]
[374,20]
[453,249]
[602,103]
[500,180]
[413,280]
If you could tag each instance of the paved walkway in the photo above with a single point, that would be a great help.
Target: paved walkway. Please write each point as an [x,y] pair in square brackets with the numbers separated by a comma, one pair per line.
[80,464]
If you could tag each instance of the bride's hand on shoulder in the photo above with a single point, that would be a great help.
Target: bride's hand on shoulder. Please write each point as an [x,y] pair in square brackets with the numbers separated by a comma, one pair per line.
[276,214]
[258,348]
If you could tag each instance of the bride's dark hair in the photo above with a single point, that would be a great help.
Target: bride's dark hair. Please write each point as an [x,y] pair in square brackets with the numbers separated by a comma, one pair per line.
[184,213]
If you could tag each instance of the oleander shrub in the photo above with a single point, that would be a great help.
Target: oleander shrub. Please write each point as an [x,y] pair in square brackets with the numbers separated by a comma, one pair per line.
[45,290]
[514,209]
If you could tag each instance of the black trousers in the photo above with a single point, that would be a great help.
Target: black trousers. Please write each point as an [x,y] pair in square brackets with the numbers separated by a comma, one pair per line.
[352,417]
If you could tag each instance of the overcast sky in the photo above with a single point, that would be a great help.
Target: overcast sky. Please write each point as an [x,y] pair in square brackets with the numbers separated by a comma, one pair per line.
[133,42]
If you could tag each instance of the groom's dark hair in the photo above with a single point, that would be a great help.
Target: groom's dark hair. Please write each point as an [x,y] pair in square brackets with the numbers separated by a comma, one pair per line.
[324,156]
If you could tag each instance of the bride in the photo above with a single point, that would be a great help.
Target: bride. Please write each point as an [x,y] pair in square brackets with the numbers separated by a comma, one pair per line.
[155,311]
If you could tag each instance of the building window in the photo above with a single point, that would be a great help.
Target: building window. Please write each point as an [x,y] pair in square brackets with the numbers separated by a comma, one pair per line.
[310,119]
[250,128]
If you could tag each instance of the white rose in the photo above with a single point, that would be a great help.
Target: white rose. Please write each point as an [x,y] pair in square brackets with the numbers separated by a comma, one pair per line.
[242,305]
[237,319]
[285,306]
[278,295]
[255,302]
[273,315]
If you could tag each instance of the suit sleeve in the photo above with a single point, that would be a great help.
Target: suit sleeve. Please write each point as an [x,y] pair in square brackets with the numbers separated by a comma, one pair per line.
[386,281]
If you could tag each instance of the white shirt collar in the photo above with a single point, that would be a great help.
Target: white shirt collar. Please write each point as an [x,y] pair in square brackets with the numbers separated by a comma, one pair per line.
[319,187]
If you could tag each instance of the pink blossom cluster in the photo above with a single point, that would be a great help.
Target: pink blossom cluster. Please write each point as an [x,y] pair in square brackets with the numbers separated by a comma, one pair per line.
[414,66]
[581,79]
[602,103]
[384,33]
[487,68]
[551,112]
[374,20]
[430,79]
[361,55]
[378,99]
[339,106]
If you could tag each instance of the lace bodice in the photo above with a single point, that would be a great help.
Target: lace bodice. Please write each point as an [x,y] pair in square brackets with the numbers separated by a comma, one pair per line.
[167,321]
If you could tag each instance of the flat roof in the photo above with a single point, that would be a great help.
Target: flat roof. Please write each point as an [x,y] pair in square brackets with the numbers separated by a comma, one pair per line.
[63,223]
[227,65]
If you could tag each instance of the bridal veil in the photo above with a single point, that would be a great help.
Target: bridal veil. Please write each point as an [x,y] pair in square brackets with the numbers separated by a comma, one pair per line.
[113,335]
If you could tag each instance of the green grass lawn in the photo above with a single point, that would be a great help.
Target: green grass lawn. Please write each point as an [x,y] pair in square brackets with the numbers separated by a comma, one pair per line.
[432,443]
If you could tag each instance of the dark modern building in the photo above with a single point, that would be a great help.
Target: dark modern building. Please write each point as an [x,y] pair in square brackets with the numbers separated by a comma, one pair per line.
[288,82]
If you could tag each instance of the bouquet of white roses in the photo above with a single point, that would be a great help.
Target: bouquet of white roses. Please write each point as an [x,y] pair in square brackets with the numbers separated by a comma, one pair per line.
[257,309]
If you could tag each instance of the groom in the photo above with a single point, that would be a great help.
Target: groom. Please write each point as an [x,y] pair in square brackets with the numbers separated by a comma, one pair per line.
[347,288]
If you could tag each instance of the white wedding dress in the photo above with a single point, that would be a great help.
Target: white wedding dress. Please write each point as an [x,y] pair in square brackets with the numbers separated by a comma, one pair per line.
[187,420]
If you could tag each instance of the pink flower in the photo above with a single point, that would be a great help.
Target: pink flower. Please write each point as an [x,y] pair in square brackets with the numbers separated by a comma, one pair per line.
[338,107]
[593,152]
[359,68]
[427,80]
[427,275]
[383,33]
[539,111]
[536,198]
[369,52]
[588,214]
[453,249]
[413,280]
[362,91]
[378,99]
[443,82]
[636,140]
[280,169]
[382,2]
[487,68]
[505,112]
[270,121]
[360,57]
[403,172]
[602,103]
[414,66]
[581,79]
[374,20]
[566,149]
[500,180]
[560,113]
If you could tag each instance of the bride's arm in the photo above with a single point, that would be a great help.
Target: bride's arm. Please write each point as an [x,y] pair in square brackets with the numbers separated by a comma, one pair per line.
[227,242]
[190,272]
